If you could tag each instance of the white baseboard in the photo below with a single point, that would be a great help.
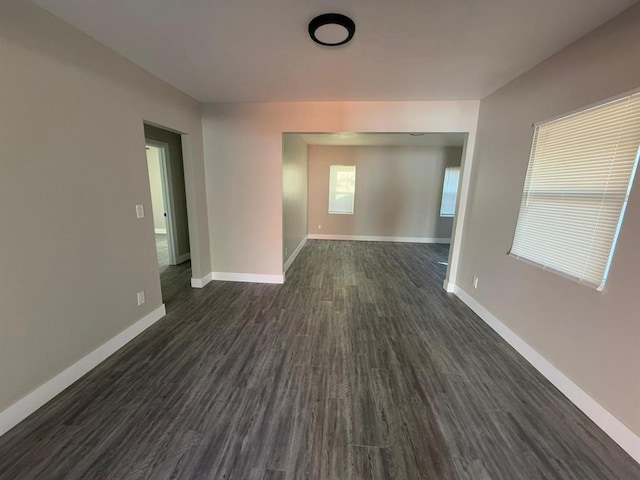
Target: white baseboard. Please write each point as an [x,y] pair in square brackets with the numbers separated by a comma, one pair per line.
[295,253]
[28,404]
[161,231]
[619,432]
[247,277]
[373,238]
[449,287]
[183,258]
[201,282]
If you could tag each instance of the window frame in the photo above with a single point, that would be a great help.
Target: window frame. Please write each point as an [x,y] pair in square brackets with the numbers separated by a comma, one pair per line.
[595,194]
[333,188]
[448,169]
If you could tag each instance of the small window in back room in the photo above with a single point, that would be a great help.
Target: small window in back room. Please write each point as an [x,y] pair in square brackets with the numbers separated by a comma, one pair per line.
[580,174]
[450,191]
[342,188]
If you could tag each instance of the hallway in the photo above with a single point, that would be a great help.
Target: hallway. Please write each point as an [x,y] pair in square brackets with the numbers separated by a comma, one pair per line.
[162,250]
[359,367]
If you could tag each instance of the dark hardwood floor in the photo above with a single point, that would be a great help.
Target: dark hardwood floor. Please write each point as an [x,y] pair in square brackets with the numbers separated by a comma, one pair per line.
[359,367]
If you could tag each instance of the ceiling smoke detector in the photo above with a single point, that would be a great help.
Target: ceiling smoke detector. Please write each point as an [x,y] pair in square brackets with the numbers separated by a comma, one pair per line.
[331,29]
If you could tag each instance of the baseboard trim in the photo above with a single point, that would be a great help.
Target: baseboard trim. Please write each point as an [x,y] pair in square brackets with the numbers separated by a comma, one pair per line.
[374,238]
[183,258]
[449,287]
[247,277]
[28,404]
[295,253]
[161,231]
[201,282]
[619,432]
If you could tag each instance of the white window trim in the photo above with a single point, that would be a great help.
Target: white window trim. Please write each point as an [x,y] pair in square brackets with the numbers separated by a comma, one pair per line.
[331,190]
[444,186]
[587,280]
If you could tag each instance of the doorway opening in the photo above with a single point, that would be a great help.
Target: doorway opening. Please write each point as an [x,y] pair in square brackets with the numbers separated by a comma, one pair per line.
[168,202]
[157,154]
[407,190]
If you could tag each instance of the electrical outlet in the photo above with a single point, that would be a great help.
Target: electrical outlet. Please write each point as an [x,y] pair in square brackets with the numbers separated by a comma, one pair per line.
[141,298]
[139,211]
[475,281]
[319,227]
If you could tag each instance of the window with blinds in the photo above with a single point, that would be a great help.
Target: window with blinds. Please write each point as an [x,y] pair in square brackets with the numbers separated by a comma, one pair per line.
[342,189]
[580,174]
[449,191]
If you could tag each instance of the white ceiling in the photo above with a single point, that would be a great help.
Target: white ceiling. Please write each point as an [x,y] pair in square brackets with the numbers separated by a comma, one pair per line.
[251,50]
[385,139]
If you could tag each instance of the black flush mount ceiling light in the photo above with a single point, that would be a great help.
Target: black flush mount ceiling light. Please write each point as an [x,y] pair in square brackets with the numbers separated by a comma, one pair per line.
[331,29]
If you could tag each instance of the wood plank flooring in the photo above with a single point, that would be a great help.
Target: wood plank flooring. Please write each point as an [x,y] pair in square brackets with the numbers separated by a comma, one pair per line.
[359,367]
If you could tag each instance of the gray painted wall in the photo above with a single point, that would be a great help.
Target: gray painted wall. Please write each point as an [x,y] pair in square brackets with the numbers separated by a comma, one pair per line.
[592,337]
[243,162]
[294,192]
[398,190]
[73,253]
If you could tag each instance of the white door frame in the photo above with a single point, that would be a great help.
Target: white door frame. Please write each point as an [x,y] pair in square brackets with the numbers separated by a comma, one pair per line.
[459,218]
[169,208]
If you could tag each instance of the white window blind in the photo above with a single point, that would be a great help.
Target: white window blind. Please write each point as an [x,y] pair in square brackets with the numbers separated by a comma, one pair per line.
[578,182]
[342,188]
[449,191]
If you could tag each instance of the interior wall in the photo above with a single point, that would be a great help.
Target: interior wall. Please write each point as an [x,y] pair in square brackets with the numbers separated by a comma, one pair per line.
[157,193]
[175,167]
[592,337]
[73,253]
[294,192]
[398,191]
[243,160]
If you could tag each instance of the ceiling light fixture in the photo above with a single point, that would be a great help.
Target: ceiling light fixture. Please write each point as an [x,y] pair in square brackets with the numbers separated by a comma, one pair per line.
[331,29]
